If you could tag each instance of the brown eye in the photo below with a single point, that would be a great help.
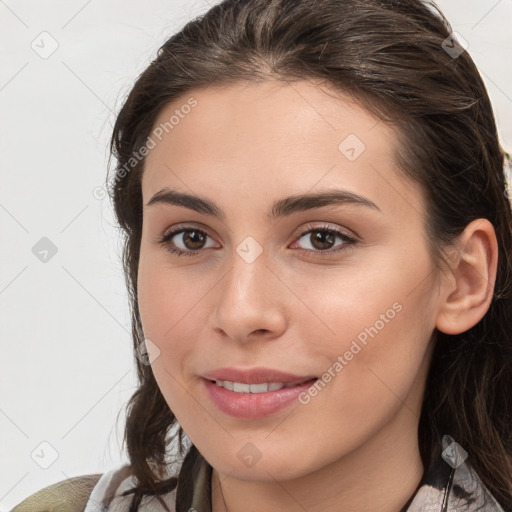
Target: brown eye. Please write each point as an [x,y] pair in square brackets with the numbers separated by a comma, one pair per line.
[192,240]
[322,239]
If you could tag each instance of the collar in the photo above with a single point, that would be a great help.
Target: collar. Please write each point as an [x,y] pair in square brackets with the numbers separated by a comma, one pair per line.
[448,485]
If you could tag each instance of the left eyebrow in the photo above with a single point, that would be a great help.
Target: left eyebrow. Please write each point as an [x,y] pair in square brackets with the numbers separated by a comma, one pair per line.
[281,208]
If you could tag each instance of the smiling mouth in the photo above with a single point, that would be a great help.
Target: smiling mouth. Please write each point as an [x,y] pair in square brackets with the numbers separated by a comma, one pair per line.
[261,393]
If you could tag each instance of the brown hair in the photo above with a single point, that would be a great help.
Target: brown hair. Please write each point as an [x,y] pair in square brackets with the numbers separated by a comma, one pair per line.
[392,58]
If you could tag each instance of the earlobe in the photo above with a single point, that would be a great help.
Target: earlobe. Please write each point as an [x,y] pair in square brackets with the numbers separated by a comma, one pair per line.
[468,290]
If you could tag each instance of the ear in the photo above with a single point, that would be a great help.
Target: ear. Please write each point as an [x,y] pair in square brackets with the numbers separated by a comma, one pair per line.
[468,285]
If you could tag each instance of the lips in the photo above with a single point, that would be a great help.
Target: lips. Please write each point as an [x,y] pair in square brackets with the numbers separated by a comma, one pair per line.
[251,406]
[255,376]
[254,393]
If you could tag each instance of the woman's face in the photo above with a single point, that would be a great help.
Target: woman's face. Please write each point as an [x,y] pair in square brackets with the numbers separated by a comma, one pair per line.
[337,288]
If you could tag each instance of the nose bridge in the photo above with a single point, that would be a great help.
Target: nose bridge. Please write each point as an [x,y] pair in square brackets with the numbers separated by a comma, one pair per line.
[245,284]
[248,297]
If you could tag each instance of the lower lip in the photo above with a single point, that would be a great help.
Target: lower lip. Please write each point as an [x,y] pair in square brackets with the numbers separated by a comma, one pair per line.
[253,405]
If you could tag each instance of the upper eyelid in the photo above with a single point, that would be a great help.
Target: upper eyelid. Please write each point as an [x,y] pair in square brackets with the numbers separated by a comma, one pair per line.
[326,227]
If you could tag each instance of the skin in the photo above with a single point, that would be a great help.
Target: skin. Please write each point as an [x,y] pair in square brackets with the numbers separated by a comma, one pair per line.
[353,446]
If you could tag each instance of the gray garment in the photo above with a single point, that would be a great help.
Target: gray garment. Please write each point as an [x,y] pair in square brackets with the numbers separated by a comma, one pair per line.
[450,485]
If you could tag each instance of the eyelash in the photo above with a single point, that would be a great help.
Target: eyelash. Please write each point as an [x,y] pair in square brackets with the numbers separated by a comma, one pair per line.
[348,244]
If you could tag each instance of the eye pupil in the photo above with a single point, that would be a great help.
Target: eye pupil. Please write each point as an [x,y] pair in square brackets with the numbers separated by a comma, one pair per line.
[319,238]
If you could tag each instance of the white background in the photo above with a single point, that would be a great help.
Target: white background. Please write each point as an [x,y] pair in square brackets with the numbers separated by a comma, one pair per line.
[66,367]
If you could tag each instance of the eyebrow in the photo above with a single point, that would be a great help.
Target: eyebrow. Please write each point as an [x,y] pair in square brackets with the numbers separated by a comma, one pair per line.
[281,208]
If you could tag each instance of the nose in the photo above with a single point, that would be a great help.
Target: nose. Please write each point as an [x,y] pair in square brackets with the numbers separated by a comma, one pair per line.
[250,302]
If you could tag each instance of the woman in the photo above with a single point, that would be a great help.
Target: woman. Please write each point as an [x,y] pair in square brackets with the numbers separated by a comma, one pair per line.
[317,254]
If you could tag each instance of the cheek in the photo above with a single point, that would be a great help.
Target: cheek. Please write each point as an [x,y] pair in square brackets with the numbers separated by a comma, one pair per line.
[381,298]
[379,323]
[379,362]
[170,304]
[167,298]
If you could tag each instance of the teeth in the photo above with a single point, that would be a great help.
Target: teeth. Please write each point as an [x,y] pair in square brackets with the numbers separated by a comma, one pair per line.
[239,387]
[227,385]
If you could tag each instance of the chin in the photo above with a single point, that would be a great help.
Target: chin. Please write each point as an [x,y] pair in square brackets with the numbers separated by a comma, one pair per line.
[244,461]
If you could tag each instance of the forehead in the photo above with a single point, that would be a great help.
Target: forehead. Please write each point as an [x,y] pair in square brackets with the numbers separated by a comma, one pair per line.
[281,116]
[270,135]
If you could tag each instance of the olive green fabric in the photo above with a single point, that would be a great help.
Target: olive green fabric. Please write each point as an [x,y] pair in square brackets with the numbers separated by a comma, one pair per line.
[69,495]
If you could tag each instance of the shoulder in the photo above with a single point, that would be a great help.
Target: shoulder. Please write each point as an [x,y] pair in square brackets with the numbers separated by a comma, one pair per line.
[451,484]
[109,495]
[70,495]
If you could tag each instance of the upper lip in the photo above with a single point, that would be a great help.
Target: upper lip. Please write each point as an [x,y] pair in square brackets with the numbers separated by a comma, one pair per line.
[254,375]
